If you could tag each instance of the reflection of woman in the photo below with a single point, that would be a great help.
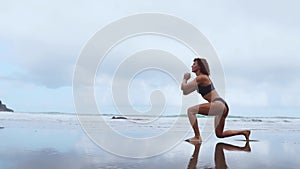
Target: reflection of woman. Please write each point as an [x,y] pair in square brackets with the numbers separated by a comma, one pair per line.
[216,106]
[219,153]
[220,161]
[194,159]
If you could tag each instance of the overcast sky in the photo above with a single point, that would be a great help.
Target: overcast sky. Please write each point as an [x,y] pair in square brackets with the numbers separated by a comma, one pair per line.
[256,42]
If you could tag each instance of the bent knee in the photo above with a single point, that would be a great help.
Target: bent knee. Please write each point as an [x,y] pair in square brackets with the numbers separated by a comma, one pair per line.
[219,134]
[192,111]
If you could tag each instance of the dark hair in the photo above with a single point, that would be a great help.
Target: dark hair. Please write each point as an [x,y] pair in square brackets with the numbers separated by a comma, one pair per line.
[202,63]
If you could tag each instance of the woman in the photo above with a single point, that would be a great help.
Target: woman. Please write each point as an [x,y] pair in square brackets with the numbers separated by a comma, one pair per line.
[216,106]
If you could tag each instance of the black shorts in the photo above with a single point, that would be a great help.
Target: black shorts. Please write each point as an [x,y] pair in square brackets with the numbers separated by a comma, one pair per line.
[223,101]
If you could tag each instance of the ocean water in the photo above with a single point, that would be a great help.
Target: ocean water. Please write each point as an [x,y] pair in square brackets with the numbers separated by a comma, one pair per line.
[57,140]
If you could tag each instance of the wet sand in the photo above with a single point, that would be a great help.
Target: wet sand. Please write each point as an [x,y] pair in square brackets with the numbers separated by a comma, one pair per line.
[31,141]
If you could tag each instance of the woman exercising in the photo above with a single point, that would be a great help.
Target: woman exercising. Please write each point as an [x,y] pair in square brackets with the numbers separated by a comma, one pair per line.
[216,106]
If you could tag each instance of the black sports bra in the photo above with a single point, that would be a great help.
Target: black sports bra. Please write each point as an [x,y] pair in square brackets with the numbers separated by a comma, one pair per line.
[203,90]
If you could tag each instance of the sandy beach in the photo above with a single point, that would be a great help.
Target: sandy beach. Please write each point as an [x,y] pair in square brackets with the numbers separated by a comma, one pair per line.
[37,140]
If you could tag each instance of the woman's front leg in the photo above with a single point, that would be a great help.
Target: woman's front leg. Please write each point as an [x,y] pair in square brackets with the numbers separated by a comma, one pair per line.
[192,111]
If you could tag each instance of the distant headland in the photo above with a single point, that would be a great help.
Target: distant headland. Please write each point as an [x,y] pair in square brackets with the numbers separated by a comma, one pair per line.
[4,108]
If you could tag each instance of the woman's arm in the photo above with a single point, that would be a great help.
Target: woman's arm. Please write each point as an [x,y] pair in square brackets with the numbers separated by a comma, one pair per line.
[188,88]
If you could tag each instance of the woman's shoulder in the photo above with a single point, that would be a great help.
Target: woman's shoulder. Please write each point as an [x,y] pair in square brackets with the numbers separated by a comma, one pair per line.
[202,79]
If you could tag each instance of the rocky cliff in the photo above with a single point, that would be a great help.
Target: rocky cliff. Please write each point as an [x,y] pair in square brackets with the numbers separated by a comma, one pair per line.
[4,108]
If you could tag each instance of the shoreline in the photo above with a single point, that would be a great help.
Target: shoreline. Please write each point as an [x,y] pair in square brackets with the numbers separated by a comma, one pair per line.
[181,115]
[58,141]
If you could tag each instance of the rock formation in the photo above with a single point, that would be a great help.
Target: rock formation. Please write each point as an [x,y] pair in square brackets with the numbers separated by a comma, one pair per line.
[4,108]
